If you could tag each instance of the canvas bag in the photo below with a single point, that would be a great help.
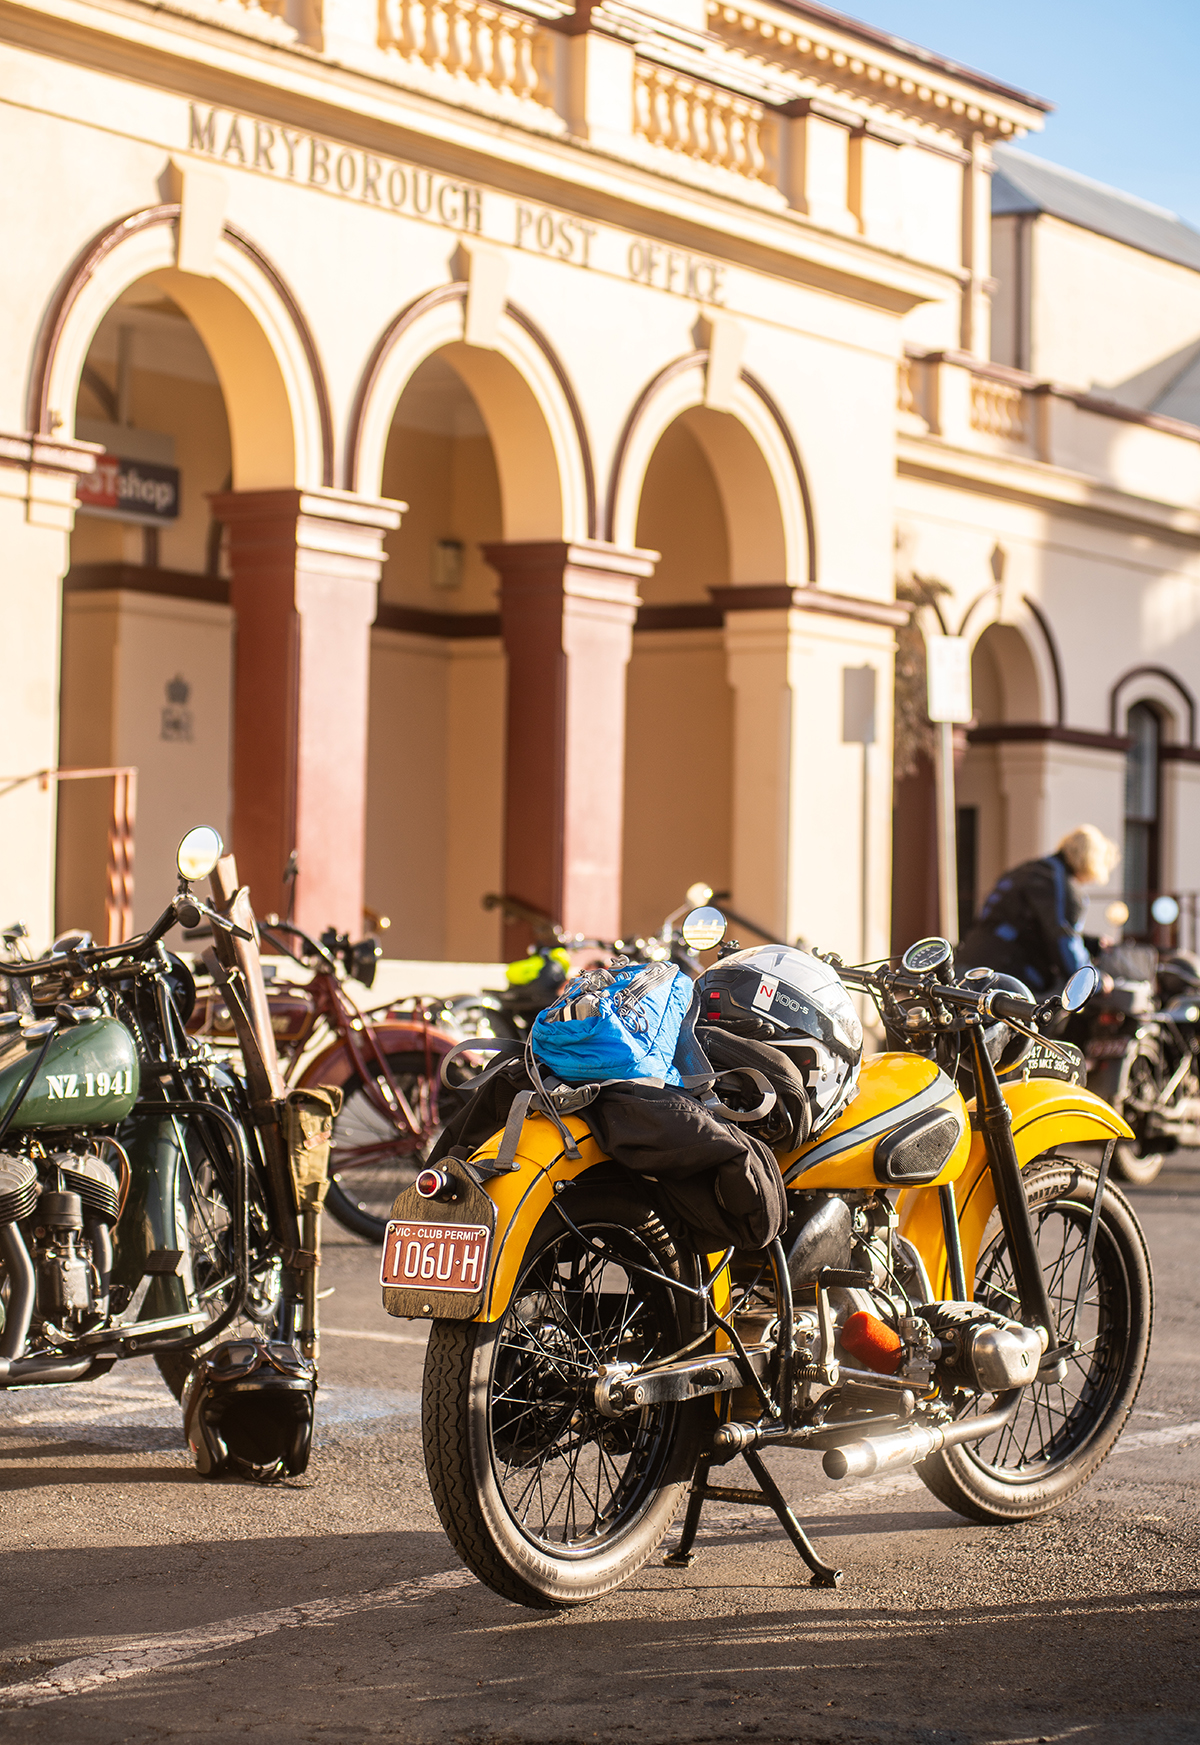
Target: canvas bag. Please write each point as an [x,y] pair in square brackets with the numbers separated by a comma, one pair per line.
[619,1023]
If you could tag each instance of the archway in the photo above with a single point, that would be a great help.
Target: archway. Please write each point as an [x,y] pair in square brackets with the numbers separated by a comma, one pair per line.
[1000,781]
[146,663]
[679,707]
[435,773]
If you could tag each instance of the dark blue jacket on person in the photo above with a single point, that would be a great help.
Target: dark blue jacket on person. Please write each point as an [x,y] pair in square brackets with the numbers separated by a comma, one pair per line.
[1029,926]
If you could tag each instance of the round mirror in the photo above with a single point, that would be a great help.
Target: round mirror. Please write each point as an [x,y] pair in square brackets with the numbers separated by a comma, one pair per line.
[698,895]
[1165,910]
[199,852]
[1080,988]
[703,929]
[1117,914]
[927,955]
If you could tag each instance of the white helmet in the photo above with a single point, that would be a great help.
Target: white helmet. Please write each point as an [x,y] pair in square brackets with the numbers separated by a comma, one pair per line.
[798,1004]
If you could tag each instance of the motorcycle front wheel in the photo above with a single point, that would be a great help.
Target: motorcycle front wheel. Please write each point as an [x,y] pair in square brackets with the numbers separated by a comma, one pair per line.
[1134,1088]
[544,1499]
[1061,1430]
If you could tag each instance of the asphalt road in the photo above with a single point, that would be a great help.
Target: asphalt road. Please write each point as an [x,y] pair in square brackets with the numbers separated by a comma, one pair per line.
[141,1603]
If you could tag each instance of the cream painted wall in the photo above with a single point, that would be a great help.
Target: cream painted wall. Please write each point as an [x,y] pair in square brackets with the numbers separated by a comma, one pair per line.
[120,652]
[406,792]
[474,725]
[678,773]
[450,485]
[1130,341]
[681,518]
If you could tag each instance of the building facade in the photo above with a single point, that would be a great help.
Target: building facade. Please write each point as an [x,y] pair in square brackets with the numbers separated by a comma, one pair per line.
[471,447]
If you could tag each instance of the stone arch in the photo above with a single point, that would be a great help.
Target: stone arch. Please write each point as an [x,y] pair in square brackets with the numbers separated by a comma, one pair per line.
[754,459]
[265,357]
[1174,703]
[1020,644]
[547,482]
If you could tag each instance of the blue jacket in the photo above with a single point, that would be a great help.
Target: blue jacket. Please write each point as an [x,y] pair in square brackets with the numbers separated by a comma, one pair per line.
[1029,926]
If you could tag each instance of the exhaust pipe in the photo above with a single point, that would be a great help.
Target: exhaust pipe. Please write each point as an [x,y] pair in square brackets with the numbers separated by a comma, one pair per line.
[22,1291]
[915,1442]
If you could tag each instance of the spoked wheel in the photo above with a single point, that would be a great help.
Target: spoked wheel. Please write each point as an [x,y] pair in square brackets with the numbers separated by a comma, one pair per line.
[211,1245]
[1061,1430]
[547,1501]
[376,1154]
[1136,1095]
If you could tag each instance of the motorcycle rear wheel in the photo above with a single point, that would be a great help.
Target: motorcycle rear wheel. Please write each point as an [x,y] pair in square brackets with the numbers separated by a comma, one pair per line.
[1061,1432]
[1137,1082]
[544,1499]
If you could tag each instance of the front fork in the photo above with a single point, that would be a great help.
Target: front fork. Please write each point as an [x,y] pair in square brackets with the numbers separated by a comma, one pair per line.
[995,1120]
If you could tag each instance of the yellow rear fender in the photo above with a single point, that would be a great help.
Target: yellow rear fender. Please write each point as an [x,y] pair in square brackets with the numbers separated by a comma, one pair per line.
[521,1197]
[1045,1113]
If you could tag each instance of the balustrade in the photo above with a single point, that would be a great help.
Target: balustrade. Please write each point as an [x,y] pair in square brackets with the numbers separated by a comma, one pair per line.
[704,123]
[997,409]
[485,46]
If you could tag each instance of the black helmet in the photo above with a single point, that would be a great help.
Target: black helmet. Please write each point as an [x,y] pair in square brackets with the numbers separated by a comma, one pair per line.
[1179,974]
[797,1003]
[248,1407]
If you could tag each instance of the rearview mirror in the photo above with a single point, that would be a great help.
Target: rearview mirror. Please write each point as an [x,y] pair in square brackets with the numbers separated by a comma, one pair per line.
[1165,910]
[1080,988]
[703,929]
[199,853]
[699,895]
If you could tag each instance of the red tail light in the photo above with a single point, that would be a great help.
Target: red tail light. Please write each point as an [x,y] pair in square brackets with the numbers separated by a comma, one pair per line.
[875,1344]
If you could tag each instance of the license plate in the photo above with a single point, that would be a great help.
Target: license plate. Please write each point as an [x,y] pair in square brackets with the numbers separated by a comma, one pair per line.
[435,1257]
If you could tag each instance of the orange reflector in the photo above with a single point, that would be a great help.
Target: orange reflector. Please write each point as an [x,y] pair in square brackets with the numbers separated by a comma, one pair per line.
[873,1342]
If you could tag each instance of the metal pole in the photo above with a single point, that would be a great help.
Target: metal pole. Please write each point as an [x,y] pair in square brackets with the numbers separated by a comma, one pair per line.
[947,832]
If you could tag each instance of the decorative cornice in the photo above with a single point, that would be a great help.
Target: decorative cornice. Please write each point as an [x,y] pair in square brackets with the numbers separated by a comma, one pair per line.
[1043,733]
[48,454]
[785,597]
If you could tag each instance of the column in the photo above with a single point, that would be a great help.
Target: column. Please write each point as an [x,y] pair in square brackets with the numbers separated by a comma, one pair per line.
[306,567]
[812,789]
[567,613]
[38,477]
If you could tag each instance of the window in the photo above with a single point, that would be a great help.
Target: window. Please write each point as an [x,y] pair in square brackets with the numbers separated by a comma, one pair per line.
[1141,816]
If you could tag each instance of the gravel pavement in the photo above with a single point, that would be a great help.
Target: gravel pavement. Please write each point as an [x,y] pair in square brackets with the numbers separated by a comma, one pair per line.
[141,1603]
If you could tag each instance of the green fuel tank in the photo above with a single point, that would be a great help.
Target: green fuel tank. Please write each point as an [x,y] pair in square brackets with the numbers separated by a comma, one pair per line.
[89,1077]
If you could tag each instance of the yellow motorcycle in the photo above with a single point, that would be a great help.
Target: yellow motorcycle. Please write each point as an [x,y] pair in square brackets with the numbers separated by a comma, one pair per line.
[954,1291]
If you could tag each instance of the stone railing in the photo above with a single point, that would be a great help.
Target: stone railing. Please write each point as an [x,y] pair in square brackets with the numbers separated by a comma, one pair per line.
[489,48]
[703,123]
[998,409]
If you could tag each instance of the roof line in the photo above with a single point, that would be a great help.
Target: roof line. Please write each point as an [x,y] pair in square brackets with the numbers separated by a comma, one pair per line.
[1028,157]
[882,38]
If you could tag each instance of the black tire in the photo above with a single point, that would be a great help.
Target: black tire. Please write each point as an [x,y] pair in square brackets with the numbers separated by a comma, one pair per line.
[1136,1082]
[1061,1431]
[506,1404]
[360,1198]
[210,1241]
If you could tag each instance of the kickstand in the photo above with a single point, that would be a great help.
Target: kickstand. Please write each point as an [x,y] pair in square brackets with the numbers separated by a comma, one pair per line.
[768,1496]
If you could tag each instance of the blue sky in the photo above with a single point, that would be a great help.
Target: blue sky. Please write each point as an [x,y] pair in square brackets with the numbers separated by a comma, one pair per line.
[1124,80]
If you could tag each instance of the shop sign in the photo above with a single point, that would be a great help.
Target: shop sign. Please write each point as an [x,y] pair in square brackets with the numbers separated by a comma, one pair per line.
[131,490]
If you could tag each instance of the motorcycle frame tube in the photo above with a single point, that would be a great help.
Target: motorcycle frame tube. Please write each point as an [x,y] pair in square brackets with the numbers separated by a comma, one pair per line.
[522,1195]
[18,1263]
[344,1057]
[1045,1114]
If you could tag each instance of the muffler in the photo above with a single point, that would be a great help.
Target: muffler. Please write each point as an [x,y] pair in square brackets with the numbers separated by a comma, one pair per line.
[915,1442]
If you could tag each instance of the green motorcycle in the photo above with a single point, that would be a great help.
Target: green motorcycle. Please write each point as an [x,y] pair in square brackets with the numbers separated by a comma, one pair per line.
[150,1199]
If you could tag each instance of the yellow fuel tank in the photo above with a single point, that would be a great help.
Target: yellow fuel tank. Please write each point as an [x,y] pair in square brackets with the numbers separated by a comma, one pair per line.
[906,1126]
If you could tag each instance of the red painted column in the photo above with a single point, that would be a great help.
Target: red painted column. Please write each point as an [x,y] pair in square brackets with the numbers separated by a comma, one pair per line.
[567,612]
[306,567]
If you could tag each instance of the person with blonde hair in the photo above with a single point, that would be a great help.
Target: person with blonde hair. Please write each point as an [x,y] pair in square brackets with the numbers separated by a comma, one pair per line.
[1029,925]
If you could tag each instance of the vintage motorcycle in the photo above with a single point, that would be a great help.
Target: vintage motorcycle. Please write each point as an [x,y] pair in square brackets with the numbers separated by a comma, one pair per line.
[1154,1079]
[151,1200]
[952,1292]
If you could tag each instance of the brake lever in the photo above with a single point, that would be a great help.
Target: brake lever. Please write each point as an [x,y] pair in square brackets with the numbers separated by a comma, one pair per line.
[191,901]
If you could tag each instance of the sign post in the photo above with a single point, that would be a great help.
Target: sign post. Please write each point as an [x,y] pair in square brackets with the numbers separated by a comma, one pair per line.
[948,666]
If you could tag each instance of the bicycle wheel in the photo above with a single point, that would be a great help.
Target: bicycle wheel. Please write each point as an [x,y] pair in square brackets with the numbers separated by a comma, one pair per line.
[1061,1431]
[373,1154]
[547,1501]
